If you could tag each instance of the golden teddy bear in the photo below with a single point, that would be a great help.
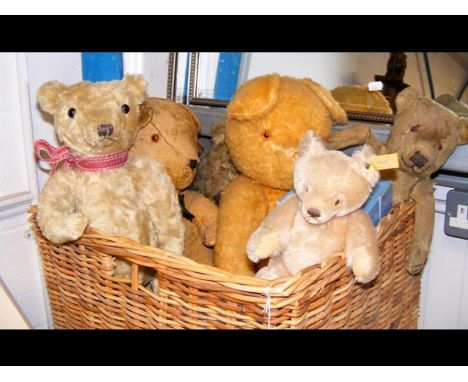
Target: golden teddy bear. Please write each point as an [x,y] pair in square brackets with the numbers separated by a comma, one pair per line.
[322,217]
[265,120]
[169,134]
[136,198]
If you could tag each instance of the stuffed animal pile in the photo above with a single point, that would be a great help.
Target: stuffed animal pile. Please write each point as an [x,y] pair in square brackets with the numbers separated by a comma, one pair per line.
[93,183]
[323,216]
[257,157]
[169,135]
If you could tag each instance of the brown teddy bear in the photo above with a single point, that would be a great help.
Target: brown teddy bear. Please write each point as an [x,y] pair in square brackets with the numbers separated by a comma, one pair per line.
[216,169]
[169,134]
[92,182]
[265,120]
[424,135]
[323,217]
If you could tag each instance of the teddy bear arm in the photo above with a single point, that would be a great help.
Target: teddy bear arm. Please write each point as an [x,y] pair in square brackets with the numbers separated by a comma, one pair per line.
[158,195]
[57,216]
[355,136]
[242,209]
[267,238]
[423,195]
[206,215]
[361,249]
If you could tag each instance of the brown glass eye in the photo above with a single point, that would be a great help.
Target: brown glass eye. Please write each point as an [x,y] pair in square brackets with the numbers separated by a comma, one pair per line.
[266,135]
[414,128]
[367,165]
[155,138]
[71,112]
[338,201]
[125,108]
[440,146]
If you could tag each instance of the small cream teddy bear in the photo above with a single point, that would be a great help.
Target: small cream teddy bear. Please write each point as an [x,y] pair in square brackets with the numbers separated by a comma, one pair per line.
[323,217]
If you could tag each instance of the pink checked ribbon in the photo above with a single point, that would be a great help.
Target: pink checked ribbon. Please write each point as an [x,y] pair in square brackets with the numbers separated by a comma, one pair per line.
[56,155]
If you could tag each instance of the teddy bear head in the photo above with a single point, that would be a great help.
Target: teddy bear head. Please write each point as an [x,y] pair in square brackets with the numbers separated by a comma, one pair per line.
[169,134]
[95,118]
[266,119]
[330,183]
[424,133]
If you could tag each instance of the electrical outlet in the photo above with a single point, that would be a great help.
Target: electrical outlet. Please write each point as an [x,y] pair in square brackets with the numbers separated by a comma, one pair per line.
[456,214]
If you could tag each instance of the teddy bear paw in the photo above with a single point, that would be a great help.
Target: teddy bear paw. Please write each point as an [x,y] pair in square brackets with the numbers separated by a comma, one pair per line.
[365,268]
[263,247]
[73,227]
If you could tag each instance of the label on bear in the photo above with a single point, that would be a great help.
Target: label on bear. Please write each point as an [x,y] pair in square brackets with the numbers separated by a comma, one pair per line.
[385,162]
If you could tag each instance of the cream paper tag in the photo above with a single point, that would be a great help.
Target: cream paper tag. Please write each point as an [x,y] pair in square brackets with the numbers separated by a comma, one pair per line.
[385,162]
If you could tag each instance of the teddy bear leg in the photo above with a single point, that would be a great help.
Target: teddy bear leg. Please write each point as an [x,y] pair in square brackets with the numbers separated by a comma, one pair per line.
[361,248]
[243,206]
[275,269]
[205,214]
[194,248]
[423,226]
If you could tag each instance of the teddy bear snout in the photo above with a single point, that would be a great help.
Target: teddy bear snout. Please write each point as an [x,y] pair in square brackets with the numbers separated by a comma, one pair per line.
[418,159]
[193,163]
[313,212]
[105,130]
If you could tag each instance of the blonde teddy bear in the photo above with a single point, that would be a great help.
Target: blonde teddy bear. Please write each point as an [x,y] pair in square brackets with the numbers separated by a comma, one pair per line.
[323,217]
[93,183]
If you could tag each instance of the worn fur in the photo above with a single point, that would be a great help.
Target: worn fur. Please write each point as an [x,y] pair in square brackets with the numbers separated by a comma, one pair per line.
[137,200]
[265,121]
[323,217]
[425,127]
[216,168]
[169,134]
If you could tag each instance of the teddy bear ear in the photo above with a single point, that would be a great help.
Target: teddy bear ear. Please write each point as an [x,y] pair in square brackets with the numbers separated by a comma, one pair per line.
[463,131]
[255,97]
[145,114]
[136,84]
[311,144]
[48,96]
[406,98]
[361,163]
[337,112]
[192,116]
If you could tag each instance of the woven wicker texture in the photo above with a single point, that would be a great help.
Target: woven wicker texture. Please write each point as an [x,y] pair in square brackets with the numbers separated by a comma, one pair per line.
[83,294]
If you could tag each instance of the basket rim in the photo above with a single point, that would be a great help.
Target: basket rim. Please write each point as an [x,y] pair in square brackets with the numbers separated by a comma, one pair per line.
[154,256]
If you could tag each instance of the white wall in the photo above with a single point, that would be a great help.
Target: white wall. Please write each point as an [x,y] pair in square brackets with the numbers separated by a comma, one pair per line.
[444,295]
[43,67]
[19,261]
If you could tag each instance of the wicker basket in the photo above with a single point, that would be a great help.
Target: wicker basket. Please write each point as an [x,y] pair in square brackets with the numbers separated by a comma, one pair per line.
[83,294]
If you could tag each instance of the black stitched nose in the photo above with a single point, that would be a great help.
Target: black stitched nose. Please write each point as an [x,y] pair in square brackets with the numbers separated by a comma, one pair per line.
[418,159]
[193,163]
[105,130]
[313,212]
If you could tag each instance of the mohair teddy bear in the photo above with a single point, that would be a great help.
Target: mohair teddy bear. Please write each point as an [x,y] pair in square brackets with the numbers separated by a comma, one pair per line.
[354,98]
[424,134]
[169,134]
[265,120]
[216,169]
[323,217]
[92,182]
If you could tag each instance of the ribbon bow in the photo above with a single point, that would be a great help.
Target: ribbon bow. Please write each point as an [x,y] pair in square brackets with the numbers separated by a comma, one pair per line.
[56,156]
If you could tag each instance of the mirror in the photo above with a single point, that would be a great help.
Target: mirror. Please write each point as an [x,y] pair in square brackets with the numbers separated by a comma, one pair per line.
[211,78]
